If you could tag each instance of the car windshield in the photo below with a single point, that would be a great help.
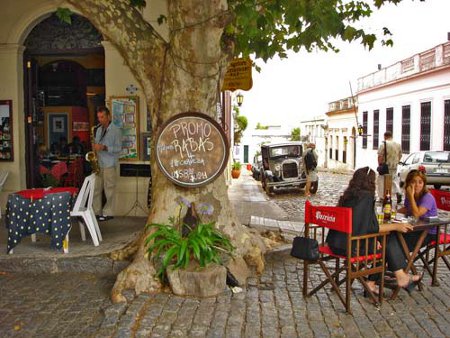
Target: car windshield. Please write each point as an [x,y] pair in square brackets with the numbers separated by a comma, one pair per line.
[437,157]
[285,151]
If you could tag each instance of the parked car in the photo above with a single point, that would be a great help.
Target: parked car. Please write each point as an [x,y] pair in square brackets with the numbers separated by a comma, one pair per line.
[435,165]
[256,167]
[283,167]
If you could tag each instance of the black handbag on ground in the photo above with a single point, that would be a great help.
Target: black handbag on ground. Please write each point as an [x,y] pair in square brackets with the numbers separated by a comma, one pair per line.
[383,168]
[305,248]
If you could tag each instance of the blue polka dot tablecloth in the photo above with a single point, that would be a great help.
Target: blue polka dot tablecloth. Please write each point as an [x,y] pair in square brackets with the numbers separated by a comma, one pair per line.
[49,215]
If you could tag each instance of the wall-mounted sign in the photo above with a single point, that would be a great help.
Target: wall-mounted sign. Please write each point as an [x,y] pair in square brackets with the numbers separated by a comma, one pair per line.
[191,149]
[238,75]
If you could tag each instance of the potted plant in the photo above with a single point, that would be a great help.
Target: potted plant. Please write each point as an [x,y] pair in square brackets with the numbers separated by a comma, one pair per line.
[236,169]
[190,253]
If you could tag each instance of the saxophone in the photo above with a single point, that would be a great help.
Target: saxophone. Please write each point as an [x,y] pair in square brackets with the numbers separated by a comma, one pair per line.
[91,156]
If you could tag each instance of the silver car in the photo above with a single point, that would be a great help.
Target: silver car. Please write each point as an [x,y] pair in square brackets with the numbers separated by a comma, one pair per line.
[435,165]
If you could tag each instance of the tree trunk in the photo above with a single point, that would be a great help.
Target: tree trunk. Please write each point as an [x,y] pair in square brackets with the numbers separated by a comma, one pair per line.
[178,76]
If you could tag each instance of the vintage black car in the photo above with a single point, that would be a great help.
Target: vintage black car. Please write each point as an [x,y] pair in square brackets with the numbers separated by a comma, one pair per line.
[256,167]
[283,167]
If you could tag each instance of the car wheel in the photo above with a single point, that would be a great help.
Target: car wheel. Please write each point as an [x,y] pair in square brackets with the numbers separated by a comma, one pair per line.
[268,189]
[314,187]
[437,186]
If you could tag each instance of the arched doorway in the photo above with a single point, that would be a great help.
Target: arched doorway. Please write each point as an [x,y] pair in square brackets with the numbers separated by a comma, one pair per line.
[64,82]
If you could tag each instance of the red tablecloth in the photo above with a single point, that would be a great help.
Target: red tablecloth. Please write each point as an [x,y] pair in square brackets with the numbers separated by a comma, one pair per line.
[41,192]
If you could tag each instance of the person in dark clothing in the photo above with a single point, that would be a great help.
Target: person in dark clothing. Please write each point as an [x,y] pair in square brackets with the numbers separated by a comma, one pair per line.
[360,196]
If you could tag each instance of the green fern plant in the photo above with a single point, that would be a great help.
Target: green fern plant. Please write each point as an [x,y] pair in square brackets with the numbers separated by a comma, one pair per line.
[204,244]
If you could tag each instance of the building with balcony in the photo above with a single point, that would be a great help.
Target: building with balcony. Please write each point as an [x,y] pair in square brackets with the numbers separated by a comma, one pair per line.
[411,98]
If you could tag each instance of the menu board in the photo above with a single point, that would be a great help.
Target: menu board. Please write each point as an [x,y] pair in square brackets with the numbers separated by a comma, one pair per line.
[191,149]
[125,115]
[6,139]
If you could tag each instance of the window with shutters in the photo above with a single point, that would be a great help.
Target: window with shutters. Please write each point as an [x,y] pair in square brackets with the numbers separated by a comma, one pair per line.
[390,120]
[406,128]
[447,125]
[365,116]
[425,125]
[376,128]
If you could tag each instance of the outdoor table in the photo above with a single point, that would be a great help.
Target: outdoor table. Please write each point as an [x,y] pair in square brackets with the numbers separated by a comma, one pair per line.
[39,210]
[422,226]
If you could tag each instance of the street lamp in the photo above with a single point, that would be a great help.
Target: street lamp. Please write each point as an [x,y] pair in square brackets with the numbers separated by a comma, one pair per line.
[239,99]
[360,130]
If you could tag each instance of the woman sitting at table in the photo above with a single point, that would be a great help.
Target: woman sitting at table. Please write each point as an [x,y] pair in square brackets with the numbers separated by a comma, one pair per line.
[419,203]
[360,196]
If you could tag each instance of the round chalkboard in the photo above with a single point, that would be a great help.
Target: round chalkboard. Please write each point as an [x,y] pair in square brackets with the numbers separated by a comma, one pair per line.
[191,149]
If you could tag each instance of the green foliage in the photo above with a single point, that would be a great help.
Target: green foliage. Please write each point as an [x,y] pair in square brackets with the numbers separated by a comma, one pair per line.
[138,3]
[240,124]
[259,126]
[64,14]
[295,134]
[269,28]
[204,244]
[236,165]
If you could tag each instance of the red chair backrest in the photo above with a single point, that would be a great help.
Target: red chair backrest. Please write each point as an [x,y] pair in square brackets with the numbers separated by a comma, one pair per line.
[442,199]
[336,218]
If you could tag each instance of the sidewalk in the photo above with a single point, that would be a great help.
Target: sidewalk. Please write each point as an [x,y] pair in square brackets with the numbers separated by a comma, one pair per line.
[270,305]
[254,208]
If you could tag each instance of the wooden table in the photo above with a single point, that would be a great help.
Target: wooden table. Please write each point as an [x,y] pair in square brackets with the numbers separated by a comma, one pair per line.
[423,227]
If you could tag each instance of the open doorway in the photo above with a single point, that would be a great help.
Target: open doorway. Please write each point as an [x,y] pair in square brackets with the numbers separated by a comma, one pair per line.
[64,83]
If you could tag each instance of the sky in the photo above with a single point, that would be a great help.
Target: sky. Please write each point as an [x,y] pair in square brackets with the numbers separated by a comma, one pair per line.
[299,88]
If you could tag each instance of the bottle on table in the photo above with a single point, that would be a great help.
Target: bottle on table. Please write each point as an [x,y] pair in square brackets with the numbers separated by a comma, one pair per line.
[387,207]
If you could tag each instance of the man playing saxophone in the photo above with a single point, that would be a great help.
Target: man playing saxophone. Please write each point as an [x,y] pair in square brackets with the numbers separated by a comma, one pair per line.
[108,144]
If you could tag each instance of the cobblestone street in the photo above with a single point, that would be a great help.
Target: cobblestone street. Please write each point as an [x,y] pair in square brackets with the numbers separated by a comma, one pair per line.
[271,305]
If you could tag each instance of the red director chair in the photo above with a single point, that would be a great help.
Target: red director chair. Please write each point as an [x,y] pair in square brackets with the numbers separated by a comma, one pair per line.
[440,246]
[318,220]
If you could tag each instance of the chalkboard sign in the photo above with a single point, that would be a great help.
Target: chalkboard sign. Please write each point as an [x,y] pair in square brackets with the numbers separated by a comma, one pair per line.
[191,149]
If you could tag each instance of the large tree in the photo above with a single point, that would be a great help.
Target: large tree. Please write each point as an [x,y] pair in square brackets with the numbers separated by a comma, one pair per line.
[183,73]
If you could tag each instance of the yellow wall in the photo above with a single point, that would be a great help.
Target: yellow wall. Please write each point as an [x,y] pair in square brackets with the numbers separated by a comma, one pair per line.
[18,19]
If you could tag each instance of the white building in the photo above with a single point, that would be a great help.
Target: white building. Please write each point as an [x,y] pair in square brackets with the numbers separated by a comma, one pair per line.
[253,139]
[314,131]
[341,134]
[412,99]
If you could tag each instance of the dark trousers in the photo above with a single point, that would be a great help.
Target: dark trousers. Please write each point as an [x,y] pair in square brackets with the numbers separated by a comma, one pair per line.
[395,257]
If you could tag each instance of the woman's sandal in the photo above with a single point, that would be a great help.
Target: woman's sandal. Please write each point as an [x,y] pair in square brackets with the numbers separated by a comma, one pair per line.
[412,284]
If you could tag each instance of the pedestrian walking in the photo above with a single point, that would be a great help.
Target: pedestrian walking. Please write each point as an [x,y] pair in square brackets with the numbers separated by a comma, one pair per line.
[391,156]
[310,166]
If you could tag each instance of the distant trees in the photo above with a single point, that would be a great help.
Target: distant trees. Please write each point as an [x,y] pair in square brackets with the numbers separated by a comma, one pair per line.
[259,126]
[295,134]
[240,124]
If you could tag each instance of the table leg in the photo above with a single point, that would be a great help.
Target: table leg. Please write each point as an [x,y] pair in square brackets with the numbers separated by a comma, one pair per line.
[434,281]
[410,257]
[66,244]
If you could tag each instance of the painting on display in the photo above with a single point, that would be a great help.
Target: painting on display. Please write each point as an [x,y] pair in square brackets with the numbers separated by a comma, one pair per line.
[125,115]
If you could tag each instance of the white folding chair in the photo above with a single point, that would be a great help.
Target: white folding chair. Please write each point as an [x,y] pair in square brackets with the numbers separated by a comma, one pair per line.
[83,208]
[3,176]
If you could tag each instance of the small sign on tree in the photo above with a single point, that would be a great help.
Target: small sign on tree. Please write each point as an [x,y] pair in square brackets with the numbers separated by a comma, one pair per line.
[191,149]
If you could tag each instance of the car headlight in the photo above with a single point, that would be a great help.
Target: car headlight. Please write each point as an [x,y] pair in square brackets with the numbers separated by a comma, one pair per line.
[277,167]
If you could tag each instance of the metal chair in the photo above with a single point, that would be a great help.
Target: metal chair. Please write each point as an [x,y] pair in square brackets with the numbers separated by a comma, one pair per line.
[83,208]
[357,264]
[440,246]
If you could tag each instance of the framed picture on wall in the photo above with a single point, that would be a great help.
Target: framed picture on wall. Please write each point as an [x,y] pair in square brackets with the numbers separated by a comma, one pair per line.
[6,138]
[58,126]
[125,115]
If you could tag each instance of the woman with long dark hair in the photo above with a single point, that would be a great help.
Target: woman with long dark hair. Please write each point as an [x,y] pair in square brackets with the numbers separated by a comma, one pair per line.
[360,196]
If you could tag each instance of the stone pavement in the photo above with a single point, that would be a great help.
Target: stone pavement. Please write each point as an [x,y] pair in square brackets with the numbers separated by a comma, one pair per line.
[271,305]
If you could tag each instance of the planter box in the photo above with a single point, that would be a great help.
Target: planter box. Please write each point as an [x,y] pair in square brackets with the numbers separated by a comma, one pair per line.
[198,282]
